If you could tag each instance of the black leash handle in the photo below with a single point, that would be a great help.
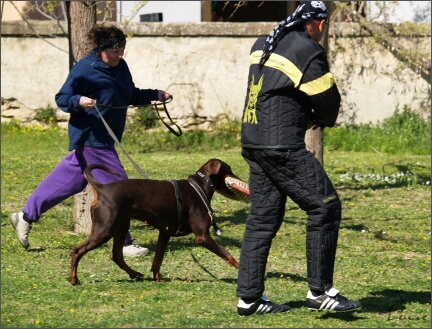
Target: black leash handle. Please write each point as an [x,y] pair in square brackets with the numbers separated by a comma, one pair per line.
[177,133]
[155,105]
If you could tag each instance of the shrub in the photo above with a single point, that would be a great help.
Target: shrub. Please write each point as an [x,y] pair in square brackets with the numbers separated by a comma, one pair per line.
[146,117]
[406,131]
[46,115]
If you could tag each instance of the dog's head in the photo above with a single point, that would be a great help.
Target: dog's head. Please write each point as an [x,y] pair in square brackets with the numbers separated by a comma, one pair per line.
[224,181]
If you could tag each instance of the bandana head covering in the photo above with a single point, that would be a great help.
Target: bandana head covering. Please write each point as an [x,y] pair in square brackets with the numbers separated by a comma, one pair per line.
[306,11]
[107,37]
[111,43]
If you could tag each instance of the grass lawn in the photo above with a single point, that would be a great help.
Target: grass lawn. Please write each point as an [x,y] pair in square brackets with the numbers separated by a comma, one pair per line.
[383,256]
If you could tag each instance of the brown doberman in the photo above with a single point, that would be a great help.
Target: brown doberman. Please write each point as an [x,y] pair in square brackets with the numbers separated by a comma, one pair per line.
[174,207]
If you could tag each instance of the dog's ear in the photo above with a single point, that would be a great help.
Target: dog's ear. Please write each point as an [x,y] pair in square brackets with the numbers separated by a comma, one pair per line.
[212,167]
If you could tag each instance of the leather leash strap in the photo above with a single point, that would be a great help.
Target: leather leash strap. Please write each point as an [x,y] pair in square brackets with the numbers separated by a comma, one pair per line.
[179,133]
[155,105]
[207,204]
[118,143]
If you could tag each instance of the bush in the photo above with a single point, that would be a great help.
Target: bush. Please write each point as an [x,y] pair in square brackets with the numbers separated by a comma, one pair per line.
[225,135]
[146,117]
[46,115]
[406,131]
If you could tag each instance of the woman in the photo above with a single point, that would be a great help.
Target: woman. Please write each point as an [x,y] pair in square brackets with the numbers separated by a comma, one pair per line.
[102,77]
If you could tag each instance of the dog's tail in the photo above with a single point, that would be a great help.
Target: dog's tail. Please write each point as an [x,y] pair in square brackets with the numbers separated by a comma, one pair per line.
[88,173]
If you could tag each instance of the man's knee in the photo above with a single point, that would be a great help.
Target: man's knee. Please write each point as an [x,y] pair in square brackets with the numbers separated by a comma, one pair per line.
[326,212]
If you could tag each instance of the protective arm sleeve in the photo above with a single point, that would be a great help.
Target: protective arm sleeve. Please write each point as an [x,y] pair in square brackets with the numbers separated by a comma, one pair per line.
[318,83]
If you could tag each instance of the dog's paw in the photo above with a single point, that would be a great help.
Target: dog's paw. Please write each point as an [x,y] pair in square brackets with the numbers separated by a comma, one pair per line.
[158,278]
[136,276]
[75,282]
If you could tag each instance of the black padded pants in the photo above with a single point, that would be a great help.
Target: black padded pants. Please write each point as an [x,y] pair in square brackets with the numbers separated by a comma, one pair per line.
[274,175]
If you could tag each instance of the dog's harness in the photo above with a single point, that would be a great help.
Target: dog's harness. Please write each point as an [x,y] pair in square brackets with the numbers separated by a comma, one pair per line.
[181,227]
[180,222]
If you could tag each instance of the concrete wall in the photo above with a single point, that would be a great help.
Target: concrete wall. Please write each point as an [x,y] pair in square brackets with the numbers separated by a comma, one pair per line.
[204,66]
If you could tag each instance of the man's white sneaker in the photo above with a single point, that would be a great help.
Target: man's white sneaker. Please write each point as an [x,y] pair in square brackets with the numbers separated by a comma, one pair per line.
[22,228]
[133,249]
[260,306]
[331,301]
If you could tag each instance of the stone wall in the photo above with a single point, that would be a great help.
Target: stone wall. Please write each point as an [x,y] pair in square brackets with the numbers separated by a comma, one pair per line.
[204,66]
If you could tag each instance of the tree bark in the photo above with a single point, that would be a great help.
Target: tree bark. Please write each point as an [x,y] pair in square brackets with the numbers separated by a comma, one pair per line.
[81,211]
[81,18]
[314,138]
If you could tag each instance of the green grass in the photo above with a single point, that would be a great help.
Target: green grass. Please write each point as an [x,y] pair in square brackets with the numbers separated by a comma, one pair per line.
[383,257]
[406,131]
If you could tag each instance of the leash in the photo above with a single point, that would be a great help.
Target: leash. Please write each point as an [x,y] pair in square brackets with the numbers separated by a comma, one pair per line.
[207,204]
[178,134]
[118,143]
[155,105]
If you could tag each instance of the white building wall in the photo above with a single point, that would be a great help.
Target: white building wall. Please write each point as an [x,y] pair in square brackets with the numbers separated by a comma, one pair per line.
[205,67]
[190,11]
[172,11]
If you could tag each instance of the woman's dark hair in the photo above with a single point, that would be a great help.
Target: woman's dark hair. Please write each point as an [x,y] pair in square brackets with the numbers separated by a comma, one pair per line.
[106,37]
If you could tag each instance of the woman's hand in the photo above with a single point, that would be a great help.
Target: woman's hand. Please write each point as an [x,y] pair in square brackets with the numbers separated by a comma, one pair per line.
[86,102]
[163,96]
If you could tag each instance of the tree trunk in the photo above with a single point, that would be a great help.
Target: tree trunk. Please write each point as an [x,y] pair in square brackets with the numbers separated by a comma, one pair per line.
[81,18]
[81,210]
[314,138]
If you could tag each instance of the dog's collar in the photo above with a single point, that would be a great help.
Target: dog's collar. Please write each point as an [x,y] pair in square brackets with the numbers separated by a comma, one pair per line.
[201,193]
[207,179]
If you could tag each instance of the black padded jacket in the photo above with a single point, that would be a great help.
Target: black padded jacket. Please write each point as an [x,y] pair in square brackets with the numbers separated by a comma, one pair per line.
[291,90]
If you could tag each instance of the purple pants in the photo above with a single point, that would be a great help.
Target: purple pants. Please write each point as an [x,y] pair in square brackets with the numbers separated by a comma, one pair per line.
[67,179]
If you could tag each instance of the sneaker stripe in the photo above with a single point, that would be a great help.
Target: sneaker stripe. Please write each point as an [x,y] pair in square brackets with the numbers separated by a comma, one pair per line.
[260,306]
[263,309]
[335,304]
[329,304]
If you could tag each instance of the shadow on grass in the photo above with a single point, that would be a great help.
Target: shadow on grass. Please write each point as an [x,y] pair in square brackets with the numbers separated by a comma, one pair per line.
[379,235]
[391,300]
[386,301]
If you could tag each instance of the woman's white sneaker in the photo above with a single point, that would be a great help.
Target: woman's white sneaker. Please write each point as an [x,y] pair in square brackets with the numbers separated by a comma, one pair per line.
[21,227]
[133,249]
